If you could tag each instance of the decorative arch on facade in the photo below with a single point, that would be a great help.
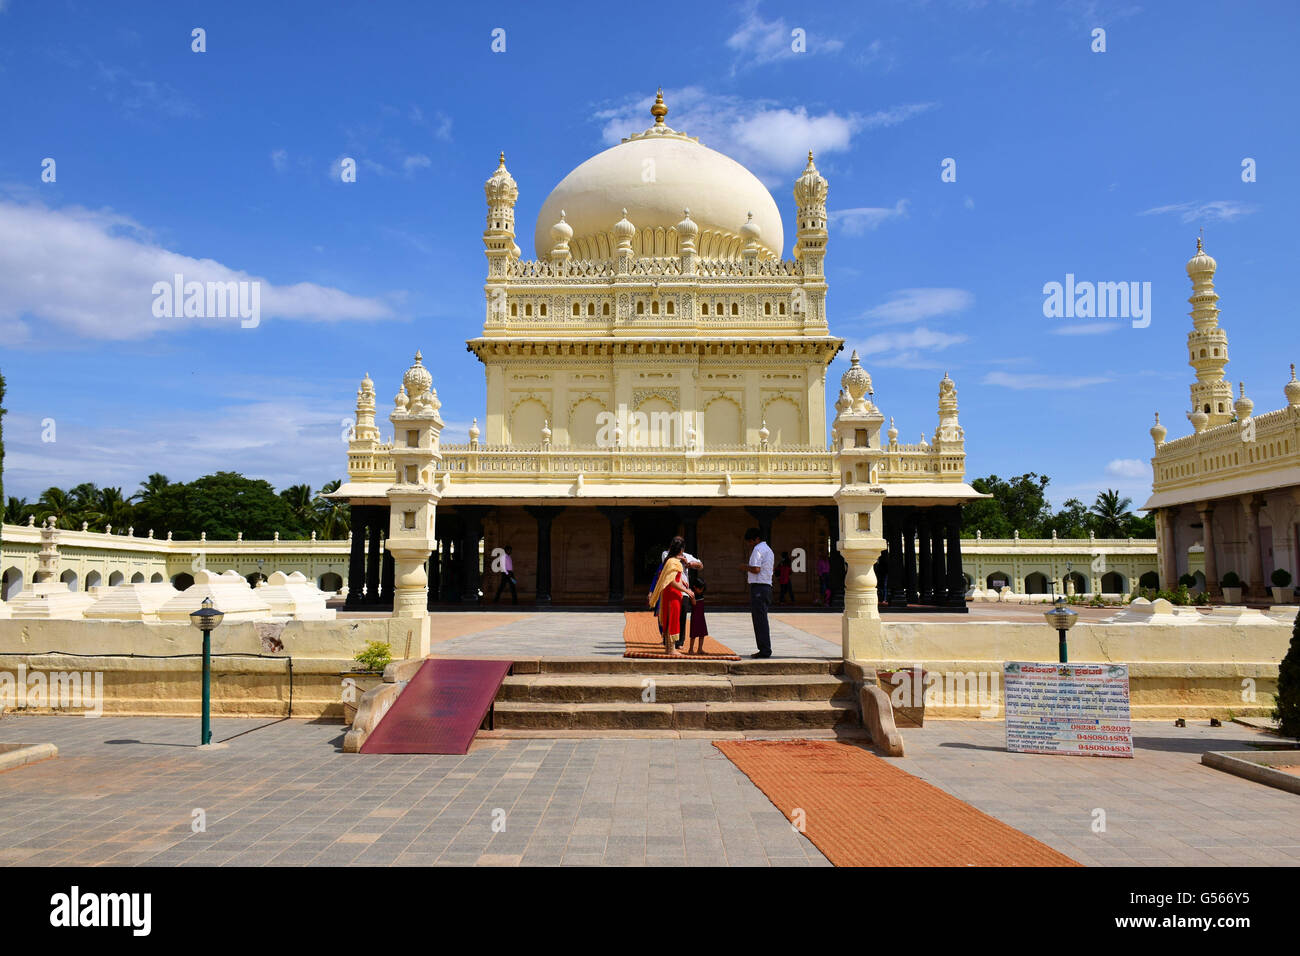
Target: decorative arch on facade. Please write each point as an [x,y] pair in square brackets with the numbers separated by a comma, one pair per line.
[1149,580]
[527,417]
[999,579]
[655,423]
[93,579]
[1080,582]
[724,421]
[12,583]
[183,581]
[156,578]
[69,577]
[138,577]
[1112,582]
[330,582]
[784,420]
[116,578]
[585,419]
[1036,582]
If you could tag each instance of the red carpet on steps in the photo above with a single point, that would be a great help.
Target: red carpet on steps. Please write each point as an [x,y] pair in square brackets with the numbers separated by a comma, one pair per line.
[440,710]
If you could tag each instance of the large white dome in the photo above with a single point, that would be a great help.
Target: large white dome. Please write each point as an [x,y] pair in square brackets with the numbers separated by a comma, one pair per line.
[655,176]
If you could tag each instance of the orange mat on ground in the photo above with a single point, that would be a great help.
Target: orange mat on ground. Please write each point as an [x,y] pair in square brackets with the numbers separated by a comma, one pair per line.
[641,637]
[860,810]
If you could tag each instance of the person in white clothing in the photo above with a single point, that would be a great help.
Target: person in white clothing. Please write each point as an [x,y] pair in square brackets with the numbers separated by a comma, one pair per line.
[758,572]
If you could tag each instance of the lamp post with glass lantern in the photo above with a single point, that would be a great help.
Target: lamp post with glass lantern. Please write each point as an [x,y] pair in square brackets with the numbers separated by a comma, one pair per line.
[1061,618]
[206,620]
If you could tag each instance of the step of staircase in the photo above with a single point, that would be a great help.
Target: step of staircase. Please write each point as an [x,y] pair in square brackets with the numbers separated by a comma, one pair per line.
[688,715]
[614,694]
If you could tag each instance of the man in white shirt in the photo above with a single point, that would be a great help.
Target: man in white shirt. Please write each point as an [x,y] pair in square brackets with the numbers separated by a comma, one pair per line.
[691,563]
[758,573]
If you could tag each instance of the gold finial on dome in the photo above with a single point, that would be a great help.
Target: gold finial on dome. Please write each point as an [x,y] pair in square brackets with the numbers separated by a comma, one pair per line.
[659,110]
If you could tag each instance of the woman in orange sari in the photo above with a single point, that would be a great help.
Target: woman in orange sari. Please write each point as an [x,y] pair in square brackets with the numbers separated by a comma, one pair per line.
[668,592]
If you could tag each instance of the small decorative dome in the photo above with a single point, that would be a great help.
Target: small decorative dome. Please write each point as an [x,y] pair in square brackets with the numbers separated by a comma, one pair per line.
[924,442]
[750,231]
[367,385]
[842,401]
[810,188]
[1199,420]
[856,379]
[1202,262]
[623,229]
[417,379]
[1243,406]
[516,251]
[501,186]
[1292,389]
[474,431]
[1158,431]
[400,399]
[764,433]
[893,432]
[561,231]
[687,227]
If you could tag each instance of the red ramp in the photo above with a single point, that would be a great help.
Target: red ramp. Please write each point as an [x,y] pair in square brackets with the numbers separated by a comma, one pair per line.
[440,710]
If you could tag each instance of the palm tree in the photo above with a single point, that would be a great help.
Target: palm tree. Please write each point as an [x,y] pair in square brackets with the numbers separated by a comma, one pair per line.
[150,488]
[111,508]
[1111,515]
[299,498]
[17,510]
[57,503]
[333,518]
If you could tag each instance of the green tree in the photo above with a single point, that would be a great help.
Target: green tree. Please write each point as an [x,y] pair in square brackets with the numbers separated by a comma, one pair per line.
[151,486]
[223,505]
[17,510]
[333,518]
[302,505]
[1018,504]
[1072,521]
[1111,515]
[1287,712]
[60,505]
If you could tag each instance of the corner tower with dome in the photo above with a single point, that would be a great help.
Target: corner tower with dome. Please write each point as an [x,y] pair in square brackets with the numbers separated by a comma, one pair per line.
[1226,497]
[657,369]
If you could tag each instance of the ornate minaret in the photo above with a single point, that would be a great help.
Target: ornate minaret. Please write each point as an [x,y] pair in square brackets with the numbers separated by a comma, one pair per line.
[855,435]
[365,436]
[499,236]
[949,437]
[810,191]
[1207,345]
[412,500]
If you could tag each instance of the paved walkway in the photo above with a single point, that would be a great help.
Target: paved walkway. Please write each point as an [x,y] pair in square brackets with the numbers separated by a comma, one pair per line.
[600,634]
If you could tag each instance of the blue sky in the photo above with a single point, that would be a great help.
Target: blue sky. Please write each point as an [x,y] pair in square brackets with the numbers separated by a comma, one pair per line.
[1102,165]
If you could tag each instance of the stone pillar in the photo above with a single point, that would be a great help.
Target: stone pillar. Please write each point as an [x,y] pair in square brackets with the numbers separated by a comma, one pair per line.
[545,515]
[763,516]
[909,556]
[939,574]
[1256,586]
[387,578]
[356,562]
[690,516]
[925,575]
[617,573]
[1206,510]
[471,532]
[897,579]
[373,561]
[1168,549]
[956,579]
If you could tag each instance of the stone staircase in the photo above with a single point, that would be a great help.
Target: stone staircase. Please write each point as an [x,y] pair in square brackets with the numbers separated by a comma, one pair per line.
[616,694]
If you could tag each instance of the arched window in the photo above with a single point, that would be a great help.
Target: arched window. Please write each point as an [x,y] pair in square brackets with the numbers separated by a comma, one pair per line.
[591,308]
[576,310]
[671,309]
[704,308]
[604,309]
[735,308]
[640,307]
[767,308]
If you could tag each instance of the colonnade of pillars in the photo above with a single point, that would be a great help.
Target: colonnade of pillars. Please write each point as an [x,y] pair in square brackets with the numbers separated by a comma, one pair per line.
[1253,577]
[922,565]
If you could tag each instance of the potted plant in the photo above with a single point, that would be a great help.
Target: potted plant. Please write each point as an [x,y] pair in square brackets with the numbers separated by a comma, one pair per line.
[906,689]
[1231,585]
[1281,586]
[366,676]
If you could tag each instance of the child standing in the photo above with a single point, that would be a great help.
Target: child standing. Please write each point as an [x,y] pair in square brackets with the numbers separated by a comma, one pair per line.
[783,573]
[699,629]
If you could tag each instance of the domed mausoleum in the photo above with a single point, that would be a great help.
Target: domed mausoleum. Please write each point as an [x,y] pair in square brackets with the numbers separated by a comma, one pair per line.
[659,368]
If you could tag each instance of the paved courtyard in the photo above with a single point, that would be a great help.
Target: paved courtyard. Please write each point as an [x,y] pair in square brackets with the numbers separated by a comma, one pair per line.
[124,790]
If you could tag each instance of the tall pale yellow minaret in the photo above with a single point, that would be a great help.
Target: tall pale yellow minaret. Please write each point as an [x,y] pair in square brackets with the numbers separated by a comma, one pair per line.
[1207,344]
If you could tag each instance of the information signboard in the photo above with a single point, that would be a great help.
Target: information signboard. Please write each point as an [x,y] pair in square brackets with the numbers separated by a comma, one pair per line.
[1075,709]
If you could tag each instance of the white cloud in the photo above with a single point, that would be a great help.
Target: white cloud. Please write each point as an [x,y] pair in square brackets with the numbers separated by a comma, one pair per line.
[896,344]
[862,219]
[1128,468]
[1220,210]
[1087,328]
[1034,380]
[770,139]
[758,41]
[280,160]
[92,273]
[418,161]
[914,305]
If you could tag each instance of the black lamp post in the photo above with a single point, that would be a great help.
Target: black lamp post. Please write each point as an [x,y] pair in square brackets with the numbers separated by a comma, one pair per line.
[1061,618]
[206,620]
